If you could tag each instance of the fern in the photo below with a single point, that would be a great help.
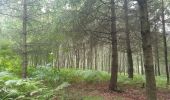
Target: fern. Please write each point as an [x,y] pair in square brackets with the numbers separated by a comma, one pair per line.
[62,86]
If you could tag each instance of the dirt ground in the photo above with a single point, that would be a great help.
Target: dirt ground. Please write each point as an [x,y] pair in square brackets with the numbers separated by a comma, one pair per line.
[100,92]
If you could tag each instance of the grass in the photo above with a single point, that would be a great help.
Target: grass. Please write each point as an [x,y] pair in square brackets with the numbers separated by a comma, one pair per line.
[138,81]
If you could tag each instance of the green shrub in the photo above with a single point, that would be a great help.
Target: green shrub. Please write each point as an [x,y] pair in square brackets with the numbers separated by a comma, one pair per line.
[49,76]
[54,77]
[161,82]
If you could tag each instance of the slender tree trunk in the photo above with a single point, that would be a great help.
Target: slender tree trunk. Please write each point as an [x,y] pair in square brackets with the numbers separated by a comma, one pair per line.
[71,59]
[90,58]
[128,48]
[114,69]
[105,62]
[96,58]
[142,64]
[68,60]
[110,58]
[157,56]
[137,60]
[123,63]
[156,70]
[77,59]
[58,58]
[102,59]
[91,52]
[64,60]
[157,65]
[165,43]
[147,51]
[35,59]
[120,62]
[157,60]
[24,36]
[84,56]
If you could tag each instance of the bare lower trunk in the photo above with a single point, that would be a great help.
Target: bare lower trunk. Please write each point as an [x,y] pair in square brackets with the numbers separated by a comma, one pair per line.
[96,58]
[128,46]
[84,56]
[157,57]
[165,43]
[142,65]
[147,51]
[114,68]
[24,36]
[77,59]
[137,60]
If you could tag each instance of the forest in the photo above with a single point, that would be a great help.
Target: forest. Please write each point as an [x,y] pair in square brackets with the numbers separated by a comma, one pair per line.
[84,49]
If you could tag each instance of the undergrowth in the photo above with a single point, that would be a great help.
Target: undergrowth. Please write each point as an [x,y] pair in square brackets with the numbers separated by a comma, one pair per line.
[44,83]
[54,77]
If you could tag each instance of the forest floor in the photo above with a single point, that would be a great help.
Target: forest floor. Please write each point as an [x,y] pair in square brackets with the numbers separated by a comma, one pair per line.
[100,91]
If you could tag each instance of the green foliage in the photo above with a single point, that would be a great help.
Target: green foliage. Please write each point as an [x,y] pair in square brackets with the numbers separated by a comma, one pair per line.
[12,87]
[161,82]
[49,93]
[94,76]
[54,77]
[47,83]
[49,76]
[137,80]
[9,60]
[5,76]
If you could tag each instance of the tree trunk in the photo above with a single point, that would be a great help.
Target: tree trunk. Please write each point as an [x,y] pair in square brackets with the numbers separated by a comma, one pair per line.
[114,69]
[96,58]
[77,59]
[24,41]
[137,61]
[157,60]
[84,56]
[157,57]
[102,59]
[147,51]
[142,64]
[120,62]
[124,63]
[58,58]
[91,52]
[165,43]
[129,51]
[110,58]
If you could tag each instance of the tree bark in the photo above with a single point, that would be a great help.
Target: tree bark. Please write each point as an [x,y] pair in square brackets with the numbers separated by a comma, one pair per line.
[110,58]
[165,42]
[128,46]
[157,56]
[24,41]
[142,64]
[137,61]
[147,51]
[77,58]
[84,56]
[96,58]
[114,68]
[120,62]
